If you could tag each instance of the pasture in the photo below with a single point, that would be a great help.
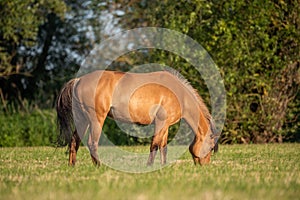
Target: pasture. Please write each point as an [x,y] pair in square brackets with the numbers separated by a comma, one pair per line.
[269,171]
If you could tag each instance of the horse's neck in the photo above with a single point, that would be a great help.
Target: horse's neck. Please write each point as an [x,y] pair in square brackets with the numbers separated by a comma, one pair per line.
[195,117]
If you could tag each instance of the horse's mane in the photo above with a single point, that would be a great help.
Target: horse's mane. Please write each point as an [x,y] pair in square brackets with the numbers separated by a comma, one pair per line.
[188,85]
[202,106]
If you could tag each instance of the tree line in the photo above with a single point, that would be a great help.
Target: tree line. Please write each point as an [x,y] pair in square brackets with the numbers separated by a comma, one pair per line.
[255,44]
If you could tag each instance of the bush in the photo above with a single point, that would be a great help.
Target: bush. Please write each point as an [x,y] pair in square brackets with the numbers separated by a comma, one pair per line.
[255,44]
[36,128]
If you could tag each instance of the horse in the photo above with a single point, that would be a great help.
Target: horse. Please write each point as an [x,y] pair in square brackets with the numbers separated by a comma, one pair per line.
[161,98]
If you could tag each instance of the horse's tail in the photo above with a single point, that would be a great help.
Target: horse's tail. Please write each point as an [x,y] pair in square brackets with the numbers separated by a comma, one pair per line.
[64,112]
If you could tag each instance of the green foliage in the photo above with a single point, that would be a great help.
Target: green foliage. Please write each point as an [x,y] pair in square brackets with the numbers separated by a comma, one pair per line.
[20,21]
[236,172]
[37,128]
[42,46]
[116,136]
[255,44]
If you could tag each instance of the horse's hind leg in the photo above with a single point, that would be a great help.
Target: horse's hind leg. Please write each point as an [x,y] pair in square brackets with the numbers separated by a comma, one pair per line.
[93,140]
[75,141]
[81,124]
[73,148]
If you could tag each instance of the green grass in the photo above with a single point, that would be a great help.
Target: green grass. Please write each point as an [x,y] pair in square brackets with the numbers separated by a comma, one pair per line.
[237,172]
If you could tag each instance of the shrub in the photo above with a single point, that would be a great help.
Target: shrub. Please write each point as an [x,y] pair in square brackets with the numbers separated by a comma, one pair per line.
[36,128]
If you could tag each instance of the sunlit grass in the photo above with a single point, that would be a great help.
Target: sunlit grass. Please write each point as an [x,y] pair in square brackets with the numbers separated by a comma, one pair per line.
[236,172]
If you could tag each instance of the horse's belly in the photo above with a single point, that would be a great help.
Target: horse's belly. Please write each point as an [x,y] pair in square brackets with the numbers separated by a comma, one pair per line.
[136,110]
[131,114]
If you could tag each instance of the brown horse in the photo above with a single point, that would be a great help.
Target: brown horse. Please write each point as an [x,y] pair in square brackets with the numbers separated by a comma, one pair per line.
[162,98]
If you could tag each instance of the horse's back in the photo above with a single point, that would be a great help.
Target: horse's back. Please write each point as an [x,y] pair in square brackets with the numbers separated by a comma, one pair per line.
[133,97]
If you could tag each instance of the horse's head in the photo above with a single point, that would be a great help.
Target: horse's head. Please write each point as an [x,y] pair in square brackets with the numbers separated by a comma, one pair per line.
[210,144]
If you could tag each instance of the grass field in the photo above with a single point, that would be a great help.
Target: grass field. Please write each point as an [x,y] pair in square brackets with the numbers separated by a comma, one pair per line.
[237,172]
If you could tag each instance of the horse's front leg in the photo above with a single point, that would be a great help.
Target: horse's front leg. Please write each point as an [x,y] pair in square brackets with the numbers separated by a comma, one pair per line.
[163,154]
[163,147]
[153,151]
[73,148]
[159,140]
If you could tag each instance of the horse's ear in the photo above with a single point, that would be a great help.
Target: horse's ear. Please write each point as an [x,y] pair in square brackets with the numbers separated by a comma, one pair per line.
[215,135]
[216,147]
[216,138]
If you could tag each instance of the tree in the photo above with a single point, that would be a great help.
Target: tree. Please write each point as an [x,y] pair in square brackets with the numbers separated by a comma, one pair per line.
[43,45]
[20,21]
[256,46]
